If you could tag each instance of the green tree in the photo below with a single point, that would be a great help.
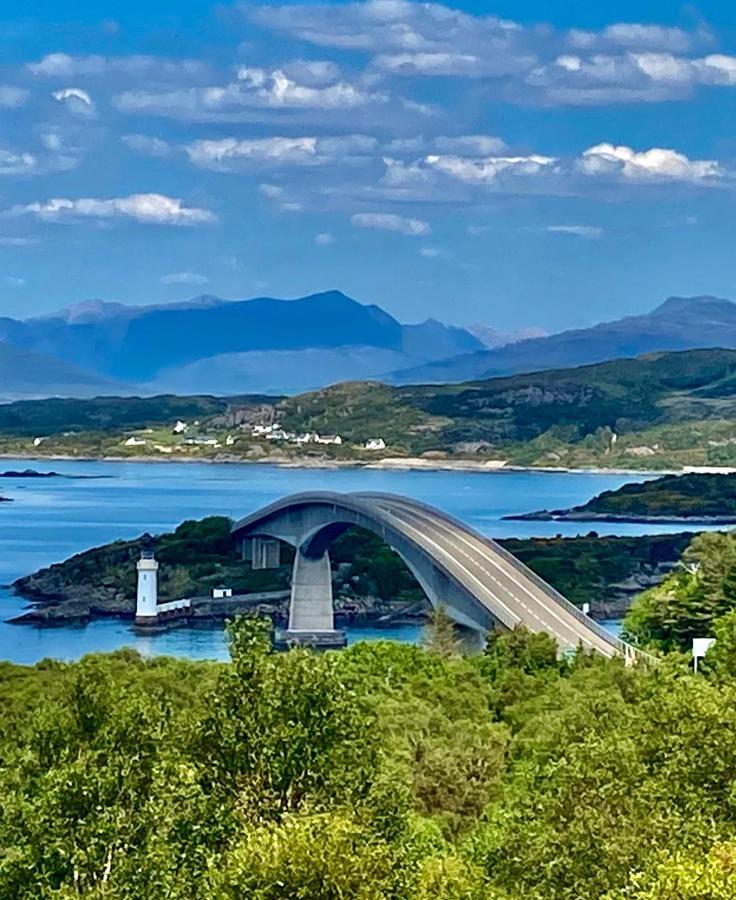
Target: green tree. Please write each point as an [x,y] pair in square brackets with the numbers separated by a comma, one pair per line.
[688,602]
[439,635]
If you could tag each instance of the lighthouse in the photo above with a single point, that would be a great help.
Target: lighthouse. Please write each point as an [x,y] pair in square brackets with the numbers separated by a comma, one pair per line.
[146,606]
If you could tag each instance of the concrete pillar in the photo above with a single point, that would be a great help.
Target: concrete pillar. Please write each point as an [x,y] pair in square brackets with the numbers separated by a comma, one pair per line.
[266,553]
[311,595]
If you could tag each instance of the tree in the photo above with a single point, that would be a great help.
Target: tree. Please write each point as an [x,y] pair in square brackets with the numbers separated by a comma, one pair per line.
[439,634]
[686,604]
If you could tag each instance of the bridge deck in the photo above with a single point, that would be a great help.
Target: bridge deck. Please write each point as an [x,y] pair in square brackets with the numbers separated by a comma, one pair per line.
[498,583]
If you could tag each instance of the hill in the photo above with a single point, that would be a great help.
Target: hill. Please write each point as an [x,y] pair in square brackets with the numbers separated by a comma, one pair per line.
[692,498]
[27,374]
[680,323]
[234,346]
[660,411]
[620,412]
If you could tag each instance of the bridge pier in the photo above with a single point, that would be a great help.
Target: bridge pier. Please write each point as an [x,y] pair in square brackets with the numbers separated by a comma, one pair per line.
[311,615]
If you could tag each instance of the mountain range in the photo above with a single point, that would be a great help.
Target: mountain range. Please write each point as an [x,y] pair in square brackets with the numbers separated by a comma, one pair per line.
[218,346]
[268,345]
[680,323]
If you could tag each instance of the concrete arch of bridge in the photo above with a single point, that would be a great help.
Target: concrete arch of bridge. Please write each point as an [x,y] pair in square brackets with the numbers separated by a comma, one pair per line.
[311,606]
[479,583]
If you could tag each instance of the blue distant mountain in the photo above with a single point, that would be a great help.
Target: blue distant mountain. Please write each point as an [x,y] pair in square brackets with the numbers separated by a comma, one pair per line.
[28,375]
[680,323]
[266,345]
[263,344]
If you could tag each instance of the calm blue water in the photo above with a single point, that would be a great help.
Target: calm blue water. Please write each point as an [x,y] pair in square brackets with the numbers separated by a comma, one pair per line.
[51,520]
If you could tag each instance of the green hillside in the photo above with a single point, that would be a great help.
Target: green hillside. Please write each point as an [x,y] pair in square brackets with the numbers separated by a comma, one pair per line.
[664,410]
[684,496]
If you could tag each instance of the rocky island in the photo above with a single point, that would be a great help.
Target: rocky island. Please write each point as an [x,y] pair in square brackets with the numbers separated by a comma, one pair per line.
[372,586]
[693,499]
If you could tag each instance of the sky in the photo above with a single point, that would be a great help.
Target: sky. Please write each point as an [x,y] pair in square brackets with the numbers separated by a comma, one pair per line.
[548,164]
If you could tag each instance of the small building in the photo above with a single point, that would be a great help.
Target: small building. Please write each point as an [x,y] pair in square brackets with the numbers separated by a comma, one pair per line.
[328,439]
[220,593]
[148,611]
[375,444]
[202,442]
[260,430]
[180,428]
[38,441]
[134,442]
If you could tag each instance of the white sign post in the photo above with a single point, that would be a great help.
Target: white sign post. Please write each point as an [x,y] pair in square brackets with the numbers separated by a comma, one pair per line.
[700,647]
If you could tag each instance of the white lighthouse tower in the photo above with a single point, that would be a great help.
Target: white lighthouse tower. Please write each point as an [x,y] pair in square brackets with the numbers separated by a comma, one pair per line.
[146,606]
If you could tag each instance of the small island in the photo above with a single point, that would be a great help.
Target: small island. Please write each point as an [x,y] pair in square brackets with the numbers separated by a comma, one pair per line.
[29,473]
[693,499]
[372,585]
[34,473]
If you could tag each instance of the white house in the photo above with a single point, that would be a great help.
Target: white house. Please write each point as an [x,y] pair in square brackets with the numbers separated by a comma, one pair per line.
[134,442]
[260,430]
[375,444]
[328,439]
[306,438]
[219,593]
[180,428]
[203,442]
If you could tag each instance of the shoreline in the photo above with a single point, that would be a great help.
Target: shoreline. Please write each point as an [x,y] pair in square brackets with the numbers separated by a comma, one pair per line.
[390,463]
[631,519]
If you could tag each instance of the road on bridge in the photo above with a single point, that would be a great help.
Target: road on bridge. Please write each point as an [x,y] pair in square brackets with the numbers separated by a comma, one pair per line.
[494,578]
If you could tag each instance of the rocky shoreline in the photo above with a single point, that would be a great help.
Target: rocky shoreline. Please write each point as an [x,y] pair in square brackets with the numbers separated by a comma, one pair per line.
[562,515]
[50,613]
[398,463]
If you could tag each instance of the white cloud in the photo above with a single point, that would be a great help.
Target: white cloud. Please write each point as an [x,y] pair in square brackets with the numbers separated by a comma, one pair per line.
[184,278]
[275,90]
[62,65]
[77,100]
[148,146]
[652,165]
[324,239]
[405,37]
[636,35]
[590,232]
[17,242]
[604,170]
[231,153]
[315,72]
[434,253]
[635,76]
[391,222]
[256,89]
[13,281]
[150,209]
[436,64]
[12,97]
[12,163]
[621,63]
[488,169]
[470,144]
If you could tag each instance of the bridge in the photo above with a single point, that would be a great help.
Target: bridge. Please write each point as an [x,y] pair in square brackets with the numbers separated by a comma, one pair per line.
[479,584]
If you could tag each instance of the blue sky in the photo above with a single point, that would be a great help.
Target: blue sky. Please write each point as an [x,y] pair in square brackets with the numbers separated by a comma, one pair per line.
[549,164]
